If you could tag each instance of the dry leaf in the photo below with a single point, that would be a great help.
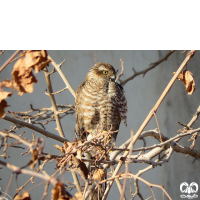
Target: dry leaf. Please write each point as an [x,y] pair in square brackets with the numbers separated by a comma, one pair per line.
[24,196]
[22,77]
[59,192]
[3,103]
[187,78]
[36,60]
[99,174]
[34,158]
[78,196]
[6,83]
[70,147]
[4,95]
[80,167]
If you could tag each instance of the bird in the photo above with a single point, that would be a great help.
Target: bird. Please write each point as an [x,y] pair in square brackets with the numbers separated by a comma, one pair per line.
[100,103]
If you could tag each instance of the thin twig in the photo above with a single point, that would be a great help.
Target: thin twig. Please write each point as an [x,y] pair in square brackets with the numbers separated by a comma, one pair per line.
[76,182]
[8,61]
[194,118]
[118,183]
[19,170]
[2,51]
[126,171]
[60,91]
[121,73]
[158,126]
[53,102]
[35,128]
[30,180]
[10,181]
[137,177]
[45,193]
[153,65]
[15,137]
[62,76]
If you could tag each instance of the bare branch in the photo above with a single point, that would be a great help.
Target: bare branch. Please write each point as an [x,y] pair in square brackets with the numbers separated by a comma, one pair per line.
[121,73]
[76,182]
[60,91]
[8,61]
[35,128]
[59,127]
[19,170]
[152,65]
[2,51]
[129,175]
[15,137]
[118,183]
[194,118]
[62,76]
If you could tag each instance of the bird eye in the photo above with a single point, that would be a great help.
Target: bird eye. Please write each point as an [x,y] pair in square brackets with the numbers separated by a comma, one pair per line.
[105,72]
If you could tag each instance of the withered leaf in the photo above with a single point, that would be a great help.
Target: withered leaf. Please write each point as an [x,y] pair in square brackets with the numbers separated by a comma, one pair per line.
[78,196]
[34,158]
[81,167]
[6,83]
[70,147]
[36,60]
[59,192]
[187,78]
[99,174]
[24,196]
[22,75]
[4,95]
[3,103]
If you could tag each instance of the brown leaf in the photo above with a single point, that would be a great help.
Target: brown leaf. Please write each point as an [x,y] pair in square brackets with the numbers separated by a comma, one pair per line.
[70,147]
[22,76]
[36,60]
[3,103]
[78,196]
[59,192]
[4,95]
[81,167]
[99,174]
[6,83]
[24,196]
[187,78]
[34,159]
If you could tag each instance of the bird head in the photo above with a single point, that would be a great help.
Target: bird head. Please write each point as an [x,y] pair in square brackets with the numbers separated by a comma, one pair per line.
[102,71]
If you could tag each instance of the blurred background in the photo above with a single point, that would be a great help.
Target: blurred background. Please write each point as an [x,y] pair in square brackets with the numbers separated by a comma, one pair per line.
[142,93]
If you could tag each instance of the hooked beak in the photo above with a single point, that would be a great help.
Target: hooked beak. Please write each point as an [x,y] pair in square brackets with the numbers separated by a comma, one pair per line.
[113,77]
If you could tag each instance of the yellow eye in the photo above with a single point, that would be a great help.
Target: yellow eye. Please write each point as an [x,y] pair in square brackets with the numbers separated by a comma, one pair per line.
[105,72]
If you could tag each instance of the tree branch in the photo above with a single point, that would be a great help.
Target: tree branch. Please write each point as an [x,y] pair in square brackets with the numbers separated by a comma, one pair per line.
[152,65]
[62,76]
[35,128]
[8,61]
[59,127]
[19,170]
